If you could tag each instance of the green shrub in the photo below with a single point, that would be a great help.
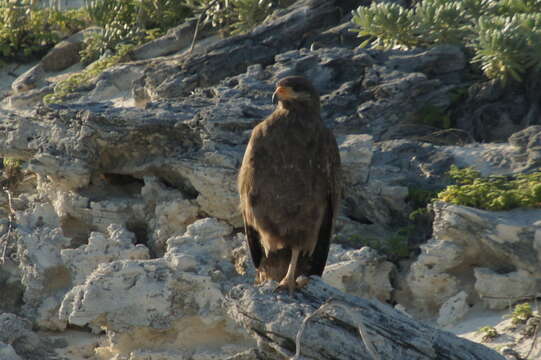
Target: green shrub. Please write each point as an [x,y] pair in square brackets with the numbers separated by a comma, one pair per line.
[395,246]
[521,313]
[234,17]
[81,79]
[493,192]
[434,116]
[489,333]
[27,31]
[502,35]
[130,22]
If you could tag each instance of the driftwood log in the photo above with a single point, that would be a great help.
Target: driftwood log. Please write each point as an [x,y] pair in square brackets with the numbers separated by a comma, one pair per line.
[275,319]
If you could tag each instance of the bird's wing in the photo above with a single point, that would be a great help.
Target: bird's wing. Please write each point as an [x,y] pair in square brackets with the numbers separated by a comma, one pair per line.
[244,187]
[254,244]
[331,162]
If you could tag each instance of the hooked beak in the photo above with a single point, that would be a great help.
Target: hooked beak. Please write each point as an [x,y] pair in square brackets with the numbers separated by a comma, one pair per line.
[281,93]
[275,97]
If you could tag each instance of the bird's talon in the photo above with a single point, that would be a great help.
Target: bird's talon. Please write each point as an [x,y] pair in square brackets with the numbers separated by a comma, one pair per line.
[302,281]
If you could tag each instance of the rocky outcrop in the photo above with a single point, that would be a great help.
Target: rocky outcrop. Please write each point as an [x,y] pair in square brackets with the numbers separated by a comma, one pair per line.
[175,300]
[360,272]
[60,57]
[126,219]
[493,256]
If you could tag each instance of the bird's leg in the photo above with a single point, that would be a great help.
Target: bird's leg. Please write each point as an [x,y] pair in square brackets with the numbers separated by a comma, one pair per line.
[289,279]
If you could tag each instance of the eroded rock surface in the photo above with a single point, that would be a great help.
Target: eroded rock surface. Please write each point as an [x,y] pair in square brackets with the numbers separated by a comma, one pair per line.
[498,248]
[126,217]
[175,300]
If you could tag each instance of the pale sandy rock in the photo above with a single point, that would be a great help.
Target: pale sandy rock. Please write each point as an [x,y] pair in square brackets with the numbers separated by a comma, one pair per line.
[440,256]
[29,98]
[44,275]
[497,290]
[119,211]
[65,203]
[114,82]
[29,80]
[362,273]
[205,249]
[504,236]
[454,309]
[491,242]
[225,352]
[356,153]
[117,244]
[146,288]
[172,211]
[54,167]
[176,299]
[430,288]
[174,40]
[61,56]
[217,190]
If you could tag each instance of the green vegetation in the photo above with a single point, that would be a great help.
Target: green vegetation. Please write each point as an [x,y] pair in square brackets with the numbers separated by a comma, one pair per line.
[27,31]
[493,192]
[130,22]
[434,116]
[81,79]
[233,17]
[521,313]
[489,333]
[396,246]
[12,168]
[502,36]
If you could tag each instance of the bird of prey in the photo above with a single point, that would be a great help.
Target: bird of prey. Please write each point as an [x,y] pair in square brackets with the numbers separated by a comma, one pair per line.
[289,187]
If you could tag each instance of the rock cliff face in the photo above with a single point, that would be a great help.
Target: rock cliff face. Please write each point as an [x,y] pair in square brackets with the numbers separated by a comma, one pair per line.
[123,219]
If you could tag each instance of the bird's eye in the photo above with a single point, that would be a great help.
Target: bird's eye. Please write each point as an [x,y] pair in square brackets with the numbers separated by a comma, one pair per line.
[295,88]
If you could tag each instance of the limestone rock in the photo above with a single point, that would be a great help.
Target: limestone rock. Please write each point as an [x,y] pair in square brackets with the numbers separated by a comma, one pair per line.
[497,290]
[61,56]
[453,309]
[44,276]
[29,97]
[29,80]
[362,273]
[505,238]
[499,247]
[430,288]
[277,36]
[178,296]
[118,244]
[174,40]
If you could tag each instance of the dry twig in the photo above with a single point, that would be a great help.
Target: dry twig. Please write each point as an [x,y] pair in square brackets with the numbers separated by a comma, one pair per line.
[361,328]
[199,19]
[11,224]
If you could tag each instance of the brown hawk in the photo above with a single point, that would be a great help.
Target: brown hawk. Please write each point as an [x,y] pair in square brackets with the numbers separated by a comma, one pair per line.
[289,187]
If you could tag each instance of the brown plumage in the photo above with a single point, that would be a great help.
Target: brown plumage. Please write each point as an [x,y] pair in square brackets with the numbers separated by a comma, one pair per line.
[289,187]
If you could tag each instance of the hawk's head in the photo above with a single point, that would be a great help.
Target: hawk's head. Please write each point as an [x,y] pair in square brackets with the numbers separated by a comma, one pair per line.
[294,91]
